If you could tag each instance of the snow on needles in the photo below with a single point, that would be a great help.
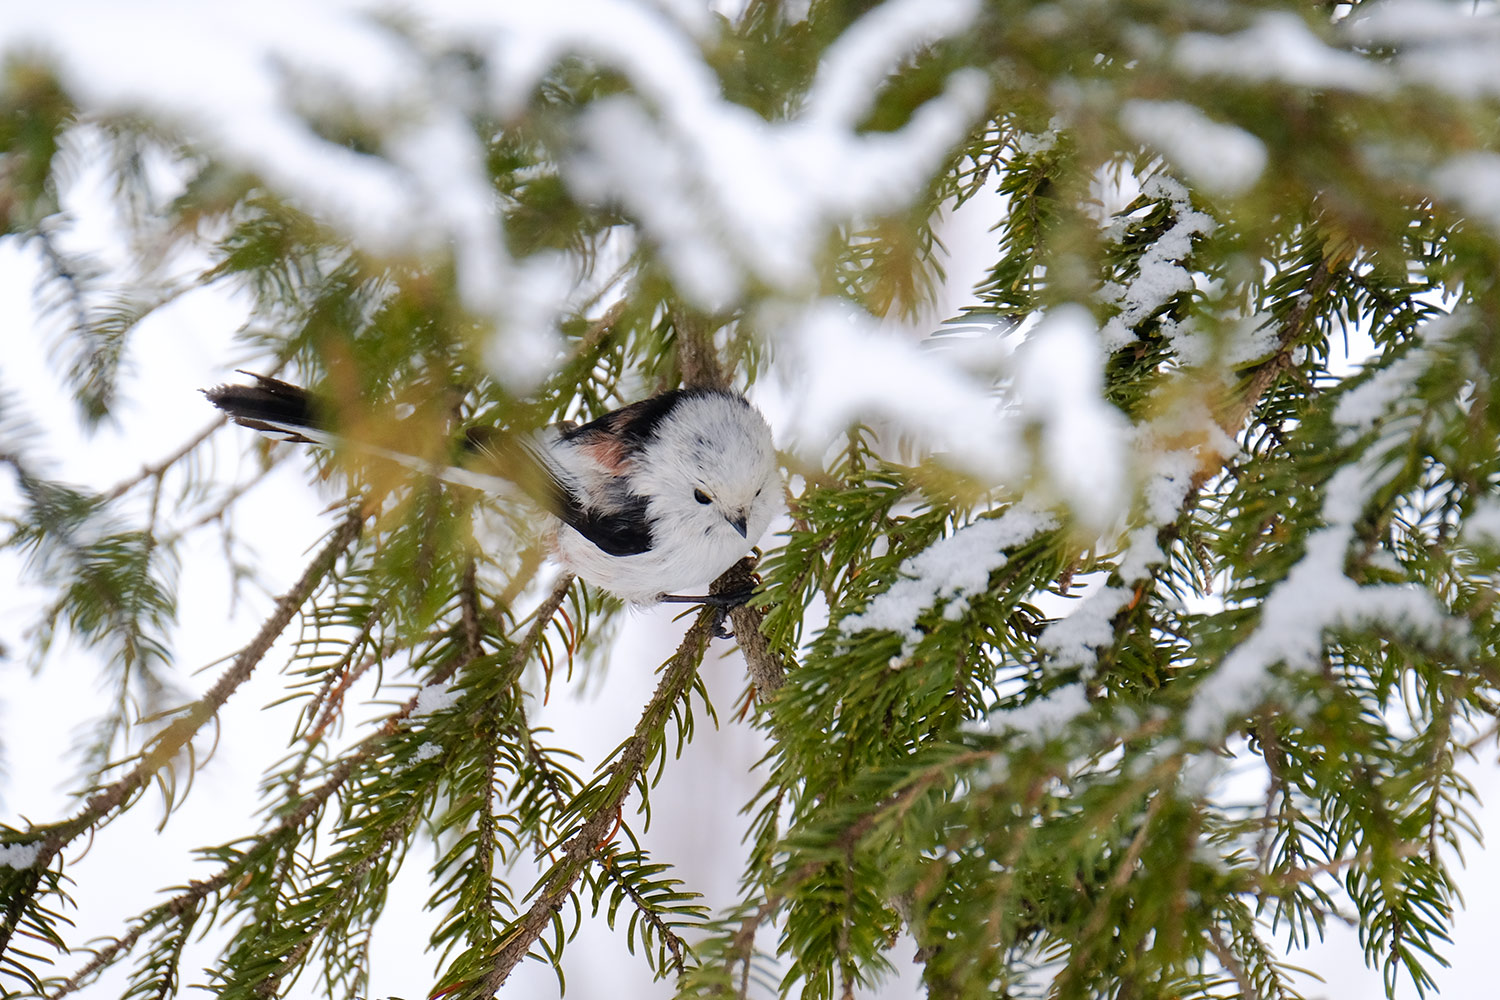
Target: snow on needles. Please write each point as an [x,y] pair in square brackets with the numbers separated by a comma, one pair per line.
[951,569]
[1315,596]
[1077,639]
[19,855]
[761,196]
[1044,718]
[1450,47]
[1453,48]
[434,698]
[1218,158]
[1279,46]
[1159,274]
[239,82]
[1358,409]
[731,199]
[1059,386]
[835,364]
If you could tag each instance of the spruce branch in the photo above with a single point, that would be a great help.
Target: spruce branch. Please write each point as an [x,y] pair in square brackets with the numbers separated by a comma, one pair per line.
[586,845]
[165,747]
[1236,416]
[307,806]
[156,470]
[1083,949]
[674,942]
[1231,962]
[328,701]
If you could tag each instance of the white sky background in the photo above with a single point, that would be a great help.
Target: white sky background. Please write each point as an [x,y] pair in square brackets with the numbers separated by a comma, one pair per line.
[188,346]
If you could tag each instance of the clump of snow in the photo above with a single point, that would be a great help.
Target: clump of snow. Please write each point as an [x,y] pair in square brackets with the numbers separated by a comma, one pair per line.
[1167,489]
[1281,47]
[1160,274]
[950,569]
[730,199]
[1482,526]
[1032,143]
[1163,496]
[1058,384]
[434,698]
[1451,47]
[1075,641]
[836,364]
[1141,553]
[1251,339]
[1218,158]
[19,855]
[426,751]
[1046,717]
[1472,182]
[1359,408]
[729,196]
[1409,22]
[1385,560]
[854,67]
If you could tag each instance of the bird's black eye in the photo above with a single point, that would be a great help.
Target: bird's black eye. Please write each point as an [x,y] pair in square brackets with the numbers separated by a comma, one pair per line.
[702,497]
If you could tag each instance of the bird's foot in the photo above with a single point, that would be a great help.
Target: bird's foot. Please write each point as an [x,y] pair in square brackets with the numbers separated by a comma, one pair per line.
[723,602]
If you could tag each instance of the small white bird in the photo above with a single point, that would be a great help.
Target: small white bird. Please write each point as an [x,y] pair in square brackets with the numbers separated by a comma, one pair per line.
[661,495]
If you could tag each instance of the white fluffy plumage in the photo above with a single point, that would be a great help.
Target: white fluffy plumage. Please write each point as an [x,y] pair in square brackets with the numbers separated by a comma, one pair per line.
[709,477]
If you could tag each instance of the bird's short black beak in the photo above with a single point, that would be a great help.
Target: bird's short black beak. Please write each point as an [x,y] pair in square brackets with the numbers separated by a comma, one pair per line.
[739,524]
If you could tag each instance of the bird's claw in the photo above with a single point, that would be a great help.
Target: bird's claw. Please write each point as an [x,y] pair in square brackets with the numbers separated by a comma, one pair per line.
[723,602]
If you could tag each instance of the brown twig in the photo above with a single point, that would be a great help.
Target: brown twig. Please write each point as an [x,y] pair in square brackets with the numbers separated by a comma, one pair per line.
[176,735]
[309,805]
[1227,959]
[170,742]
[697,361]
[158,469]
[764,667]
[583,846]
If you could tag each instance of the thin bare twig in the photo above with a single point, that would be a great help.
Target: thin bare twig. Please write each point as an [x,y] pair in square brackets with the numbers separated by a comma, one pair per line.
[1229,961]
[157,469]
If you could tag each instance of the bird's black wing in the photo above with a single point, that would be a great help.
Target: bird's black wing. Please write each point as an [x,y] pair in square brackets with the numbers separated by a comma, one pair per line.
[618,529]
[634,426]
[621,532]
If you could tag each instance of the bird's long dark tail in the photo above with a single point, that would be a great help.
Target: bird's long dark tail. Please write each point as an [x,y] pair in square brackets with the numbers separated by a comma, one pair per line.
[492,460]
[269,405]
